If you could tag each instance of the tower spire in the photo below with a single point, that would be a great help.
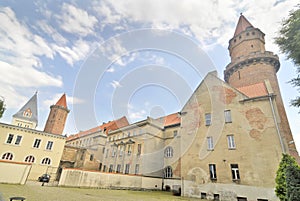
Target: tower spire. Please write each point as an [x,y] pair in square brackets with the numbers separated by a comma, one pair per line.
[242,25]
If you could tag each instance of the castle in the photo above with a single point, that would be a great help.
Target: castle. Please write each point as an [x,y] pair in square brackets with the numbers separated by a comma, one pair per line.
[225,144]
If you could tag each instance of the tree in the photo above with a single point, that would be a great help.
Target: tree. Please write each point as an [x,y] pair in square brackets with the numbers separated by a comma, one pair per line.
[289,44]
[287,179]
[2,107]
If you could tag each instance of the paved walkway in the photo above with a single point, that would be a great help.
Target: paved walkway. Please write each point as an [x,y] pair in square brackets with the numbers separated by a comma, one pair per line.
[33,191]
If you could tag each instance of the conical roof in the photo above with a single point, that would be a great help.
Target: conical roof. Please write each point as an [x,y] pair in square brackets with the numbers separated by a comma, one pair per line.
[29,111]
[242,25]
[62,101]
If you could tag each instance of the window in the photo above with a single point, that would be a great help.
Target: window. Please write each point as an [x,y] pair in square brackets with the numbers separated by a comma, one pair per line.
[113,152]
[168,172]
[7,156]
[227,114]
[258,199]
[29,159]
[203,195]
[235,172]
[207,119]
[49,145]
[118,168]
[210,143]
[46,161]
[107,151]
[91,157]
[241,199]
[9,138]
[100,166]
[103,150]
[216,197]
[129,149]
[110,168]
[212,172]
[18,140]
[121,150]
[104,168]
[127,168]
[37,143]
[230,139]
[139,149]
[169,152]
[175,133]
[137,169]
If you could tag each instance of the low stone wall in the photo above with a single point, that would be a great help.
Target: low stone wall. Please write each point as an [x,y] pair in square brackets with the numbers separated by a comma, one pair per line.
[13,172]
[94,179]
[228,192]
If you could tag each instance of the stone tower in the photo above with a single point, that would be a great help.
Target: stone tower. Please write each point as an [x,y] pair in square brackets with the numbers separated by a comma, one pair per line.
[27,116]
[57,118]
[251,64]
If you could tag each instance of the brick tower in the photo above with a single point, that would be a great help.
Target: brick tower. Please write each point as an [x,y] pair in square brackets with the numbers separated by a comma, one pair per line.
[251,64]
[57,118]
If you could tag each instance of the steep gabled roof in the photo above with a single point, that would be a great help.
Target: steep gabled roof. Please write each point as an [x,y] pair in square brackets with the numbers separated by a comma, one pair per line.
[62,101]
[170,120]
[254,90]
[242,25]
[29,111]
[105,127]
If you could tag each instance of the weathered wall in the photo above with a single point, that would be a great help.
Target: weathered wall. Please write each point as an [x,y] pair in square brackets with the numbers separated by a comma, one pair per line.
[80,178]
[19,175]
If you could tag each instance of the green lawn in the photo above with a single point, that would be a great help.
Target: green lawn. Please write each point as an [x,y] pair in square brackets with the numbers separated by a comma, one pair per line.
[33,191]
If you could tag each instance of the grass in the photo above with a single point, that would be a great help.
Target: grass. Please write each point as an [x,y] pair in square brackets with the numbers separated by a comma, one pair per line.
[33,191]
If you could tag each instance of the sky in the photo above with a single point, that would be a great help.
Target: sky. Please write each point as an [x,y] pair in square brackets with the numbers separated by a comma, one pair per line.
[134,58]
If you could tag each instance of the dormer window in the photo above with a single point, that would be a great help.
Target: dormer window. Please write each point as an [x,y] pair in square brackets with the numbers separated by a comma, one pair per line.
[27,113]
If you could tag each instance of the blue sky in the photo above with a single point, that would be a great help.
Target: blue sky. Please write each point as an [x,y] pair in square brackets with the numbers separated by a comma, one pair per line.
[129,57]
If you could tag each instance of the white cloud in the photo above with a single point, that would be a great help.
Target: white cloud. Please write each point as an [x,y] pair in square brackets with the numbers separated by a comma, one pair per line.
[70,100]
[136,115]
[50,31]
[20,64]
[76,21]
[115,84]
[77,52]
[110,70]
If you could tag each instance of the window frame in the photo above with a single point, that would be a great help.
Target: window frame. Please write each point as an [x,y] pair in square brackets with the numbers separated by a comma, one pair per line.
[168,172]
[231,141]
[29,159]
[18,140]
[169,152]
[210,143]
[227,116]
[235,172]
[139,149]
[7,156]
[35,142]
[127,168]
[212,171]
[9,138]
[137,169]
[46,161]
[207,119]
[49,145]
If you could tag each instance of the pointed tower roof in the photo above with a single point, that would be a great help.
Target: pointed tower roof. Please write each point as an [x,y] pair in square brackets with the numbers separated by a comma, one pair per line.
[242,25]
[62,101]
[29,110]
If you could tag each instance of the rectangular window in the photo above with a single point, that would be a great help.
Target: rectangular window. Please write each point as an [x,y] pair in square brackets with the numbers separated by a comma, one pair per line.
[210,143]
[235,172]
[18,140]
[227,114]
[175,133]
[107,151]
[230,139]
[129,149]
[203,195]
[127,168]
[216,197]
[37,143]
[104,168]
[9,138]
[139,149]
[137,169]
[49,145]
[241,199]
[212,171]
[121,150]
[207,119]
[258,199]
[113,152]
[118,168]
[91,157]
[110,168]
[103,150]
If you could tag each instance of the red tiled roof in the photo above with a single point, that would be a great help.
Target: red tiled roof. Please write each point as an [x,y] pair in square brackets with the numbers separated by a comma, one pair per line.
[254,90]
[110,126]
[62,101]
[242,25]
[171,119]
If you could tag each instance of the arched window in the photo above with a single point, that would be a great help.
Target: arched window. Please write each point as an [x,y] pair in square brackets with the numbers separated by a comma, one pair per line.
[7,156]
[46,161]
[168,172]
[169,152]
[29,159]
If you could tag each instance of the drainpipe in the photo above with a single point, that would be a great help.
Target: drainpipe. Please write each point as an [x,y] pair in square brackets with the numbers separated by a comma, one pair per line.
[276,124]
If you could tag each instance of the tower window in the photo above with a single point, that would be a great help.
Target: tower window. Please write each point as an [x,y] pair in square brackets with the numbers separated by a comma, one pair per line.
[49,145]
[30,159]
[9,138]
[252,46]
[7,156]
[207,119]
[169,152]
[46,161]
[37,143]
[168,172]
